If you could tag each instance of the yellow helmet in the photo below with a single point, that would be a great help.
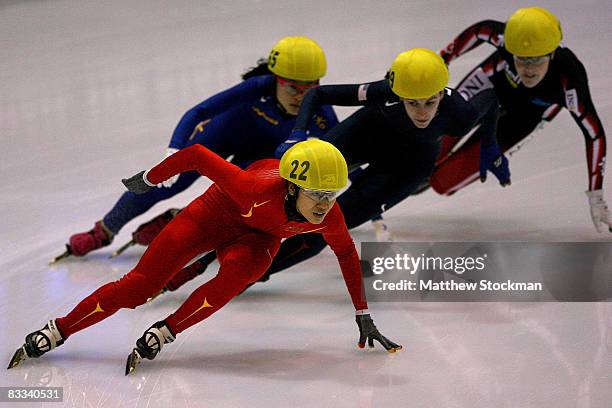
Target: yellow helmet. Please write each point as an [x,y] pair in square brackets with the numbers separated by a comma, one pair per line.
[417,74]
[532,32]
[297,58]
[314,164]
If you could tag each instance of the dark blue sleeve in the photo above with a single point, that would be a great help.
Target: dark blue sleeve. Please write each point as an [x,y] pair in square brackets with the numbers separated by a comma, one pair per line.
[483,109]
[324,120]
[341,95]
[246,91]
[486,106]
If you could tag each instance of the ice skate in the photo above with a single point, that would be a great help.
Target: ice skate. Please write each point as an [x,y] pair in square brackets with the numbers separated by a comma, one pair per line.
[161,292]
[61,256]
[149,345]
[146,233]
[84,242]
[123,248]
[37,343]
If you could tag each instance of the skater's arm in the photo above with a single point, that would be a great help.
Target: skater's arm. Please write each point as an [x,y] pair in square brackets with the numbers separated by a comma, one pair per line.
[463,115]
[340,241]
[320,124]
[231,178]
[340,95]
[486,107]
[580,105]
[595,155]
[195,118]
[482,110]
[324,120]
[338,238]
[489,31]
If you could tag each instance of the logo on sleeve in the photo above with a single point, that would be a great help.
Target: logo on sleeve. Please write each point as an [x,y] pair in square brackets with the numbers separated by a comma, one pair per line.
[320,122]
[571,101]
[475,83]
[264,115]
[199,128]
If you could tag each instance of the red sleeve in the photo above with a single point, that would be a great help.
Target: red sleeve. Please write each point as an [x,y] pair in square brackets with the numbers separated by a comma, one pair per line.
[337,236]
[229,177]
[580,105]
[489,31]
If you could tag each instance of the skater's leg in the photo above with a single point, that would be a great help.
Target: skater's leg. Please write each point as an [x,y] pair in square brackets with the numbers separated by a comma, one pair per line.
[192,232]
[241,263]
[295,250]
[185,237]
[462,168]
[191,272]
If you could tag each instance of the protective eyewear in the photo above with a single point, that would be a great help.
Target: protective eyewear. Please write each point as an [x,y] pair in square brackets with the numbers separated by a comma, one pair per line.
[320,195]
[296,88]
[532,60]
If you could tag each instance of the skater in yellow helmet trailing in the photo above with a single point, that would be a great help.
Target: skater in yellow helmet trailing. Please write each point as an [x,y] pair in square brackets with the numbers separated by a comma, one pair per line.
[534,76]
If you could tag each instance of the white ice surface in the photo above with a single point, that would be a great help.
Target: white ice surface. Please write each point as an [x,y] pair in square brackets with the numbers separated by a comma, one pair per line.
[90,93]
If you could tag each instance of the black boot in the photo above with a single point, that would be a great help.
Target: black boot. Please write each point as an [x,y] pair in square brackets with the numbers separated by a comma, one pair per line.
[149,345]
[38,343]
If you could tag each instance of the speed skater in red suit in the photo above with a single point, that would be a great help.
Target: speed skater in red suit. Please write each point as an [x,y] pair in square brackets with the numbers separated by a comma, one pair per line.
[243,216]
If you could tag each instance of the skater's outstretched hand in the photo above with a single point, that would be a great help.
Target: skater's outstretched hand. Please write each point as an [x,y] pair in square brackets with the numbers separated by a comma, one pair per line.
[599,210]
[137,183]
[492,159]
[369,332]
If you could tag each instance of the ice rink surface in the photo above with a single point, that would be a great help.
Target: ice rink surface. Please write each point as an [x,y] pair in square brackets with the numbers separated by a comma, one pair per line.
[90,93]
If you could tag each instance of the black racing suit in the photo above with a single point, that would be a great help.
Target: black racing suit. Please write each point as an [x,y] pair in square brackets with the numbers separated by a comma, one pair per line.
[400,156]
[522,109]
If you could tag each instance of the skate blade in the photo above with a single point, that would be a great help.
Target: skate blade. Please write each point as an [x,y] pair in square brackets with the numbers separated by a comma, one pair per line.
[122,249]
[132,362]
[58,258]
[19,356]
[395,349]
[155,296]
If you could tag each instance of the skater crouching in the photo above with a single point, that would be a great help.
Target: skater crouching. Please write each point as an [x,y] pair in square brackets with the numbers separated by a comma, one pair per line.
[243,216]
[534,76]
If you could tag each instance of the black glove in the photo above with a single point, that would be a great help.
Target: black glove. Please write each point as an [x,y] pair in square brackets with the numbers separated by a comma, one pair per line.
[368,331]
[136,183]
